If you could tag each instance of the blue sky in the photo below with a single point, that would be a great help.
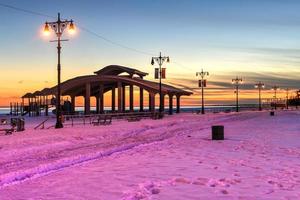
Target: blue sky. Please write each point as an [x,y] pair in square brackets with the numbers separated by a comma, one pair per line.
[254,39]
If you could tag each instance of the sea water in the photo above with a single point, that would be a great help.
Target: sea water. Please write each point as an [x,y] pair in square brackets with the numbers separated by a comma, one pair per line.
[213,108]
[4,110]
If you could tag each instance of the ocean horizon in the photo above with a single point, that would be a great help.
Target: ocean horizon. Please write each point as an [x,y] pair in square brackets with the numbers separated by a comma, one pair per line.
[5,110]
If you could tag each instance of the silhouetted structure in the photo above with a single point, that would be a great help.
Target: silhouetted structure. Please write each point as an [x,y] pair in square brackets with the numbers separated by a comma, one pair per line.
[112,78]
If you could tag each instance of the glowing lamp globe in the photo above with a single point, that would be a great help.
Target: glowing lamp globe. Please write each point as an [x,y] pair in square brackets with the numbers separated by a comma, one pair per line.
[72,28]
[46,29]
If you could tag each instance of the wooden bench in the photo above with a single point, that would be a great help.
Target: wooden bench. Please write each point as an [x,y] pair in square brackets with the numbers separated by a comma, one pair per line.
[157,115]
[134,119]
[102,120]
[3,121]
[8,130]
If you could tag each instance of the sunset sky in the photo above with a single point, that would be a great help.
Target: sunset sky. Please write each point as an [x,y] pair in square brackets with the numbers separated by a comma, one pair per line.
[257,40]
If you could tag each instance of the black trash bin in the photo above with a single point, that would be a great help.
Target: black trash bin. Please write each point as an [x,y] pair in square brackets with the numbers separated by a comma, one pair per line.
[272,113]
[13,121]
[217,132]
[20,124]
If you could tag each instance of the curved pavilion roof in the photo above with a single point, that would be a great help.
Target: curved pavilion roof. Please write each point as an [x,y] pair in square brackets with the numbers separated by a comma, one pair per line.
[109,76]
[117,69]
[28,95]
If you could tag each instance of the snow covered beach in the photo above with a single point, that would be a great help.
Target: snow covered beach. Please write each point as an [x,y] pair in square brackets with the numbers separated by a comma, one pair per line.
[172,158]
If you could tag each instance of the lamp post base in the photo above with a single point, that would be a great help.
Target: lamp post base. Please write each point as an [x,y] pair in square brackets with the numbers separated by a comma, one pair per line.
[59,125]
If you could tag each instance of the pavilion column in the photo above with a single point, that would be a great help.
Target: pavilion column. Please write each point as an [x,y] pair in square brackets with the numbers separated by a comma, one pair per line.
[120,97]
[87,101]
[170,104]
[152,102]
[73,104]
[131,100]
[124,98]
[113,99]
[97,104]
[177,104]
[162,102]
[141,100]
[22,106]
[29,107]
[101,98]
[47,106]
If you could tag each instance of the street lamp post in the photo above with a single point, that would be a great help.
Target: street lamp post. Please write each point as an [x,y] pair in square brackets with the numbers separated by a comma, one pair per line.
[260,86]
[202,84]
[237,81]
[58,27]
[160,74]
[298,98]
[275,88]
[287,98]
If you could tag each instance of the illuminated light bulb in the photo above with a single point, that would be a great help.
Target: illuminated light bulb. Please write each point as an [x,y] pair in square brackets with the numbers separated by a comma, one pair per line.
[72,28]
[46,29]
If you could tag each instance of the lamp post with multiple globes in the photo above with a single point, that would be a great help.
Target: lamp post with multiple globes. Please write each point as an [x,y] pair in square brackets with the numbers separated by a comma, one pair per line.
[159,74]
[260,86]
[58,27]
[275,88]
[202,84]
[237,81]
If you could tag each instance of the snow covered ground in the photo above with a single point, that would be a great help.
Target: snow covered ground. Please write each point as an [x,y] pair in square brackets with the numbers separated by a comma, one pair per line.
[173,158]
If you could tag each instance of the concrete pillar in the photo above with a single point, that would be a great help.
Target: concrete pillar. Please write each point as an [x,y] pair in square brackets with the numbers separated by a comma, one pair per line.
[141,100]
[87,101]
[101,98]
[113,99]
[29,107]
[124,98]
[152,102]
[120,97]
[170,104]
[97,104]
[131,100]
[46,106]
[149,102]
[73,104]
[177,104]
[162,99]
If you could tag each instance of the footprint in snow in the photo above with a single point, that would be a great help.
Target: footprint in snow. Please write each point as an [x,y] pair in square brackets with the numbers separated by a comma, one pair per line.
[155,191]
[182,180]
[224,192]
[236,174]
[200,181]
[78,138]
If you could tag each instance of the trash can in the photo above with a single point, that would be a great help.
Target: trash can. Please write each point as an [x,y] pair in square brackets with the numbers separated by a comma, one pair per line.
[20,124]
[217,132]
[272,113]
[13,121]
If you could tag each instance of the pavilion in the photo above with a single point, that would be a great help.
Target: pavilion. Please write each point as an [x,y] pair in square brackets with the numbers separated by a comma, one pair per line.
[112,78]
